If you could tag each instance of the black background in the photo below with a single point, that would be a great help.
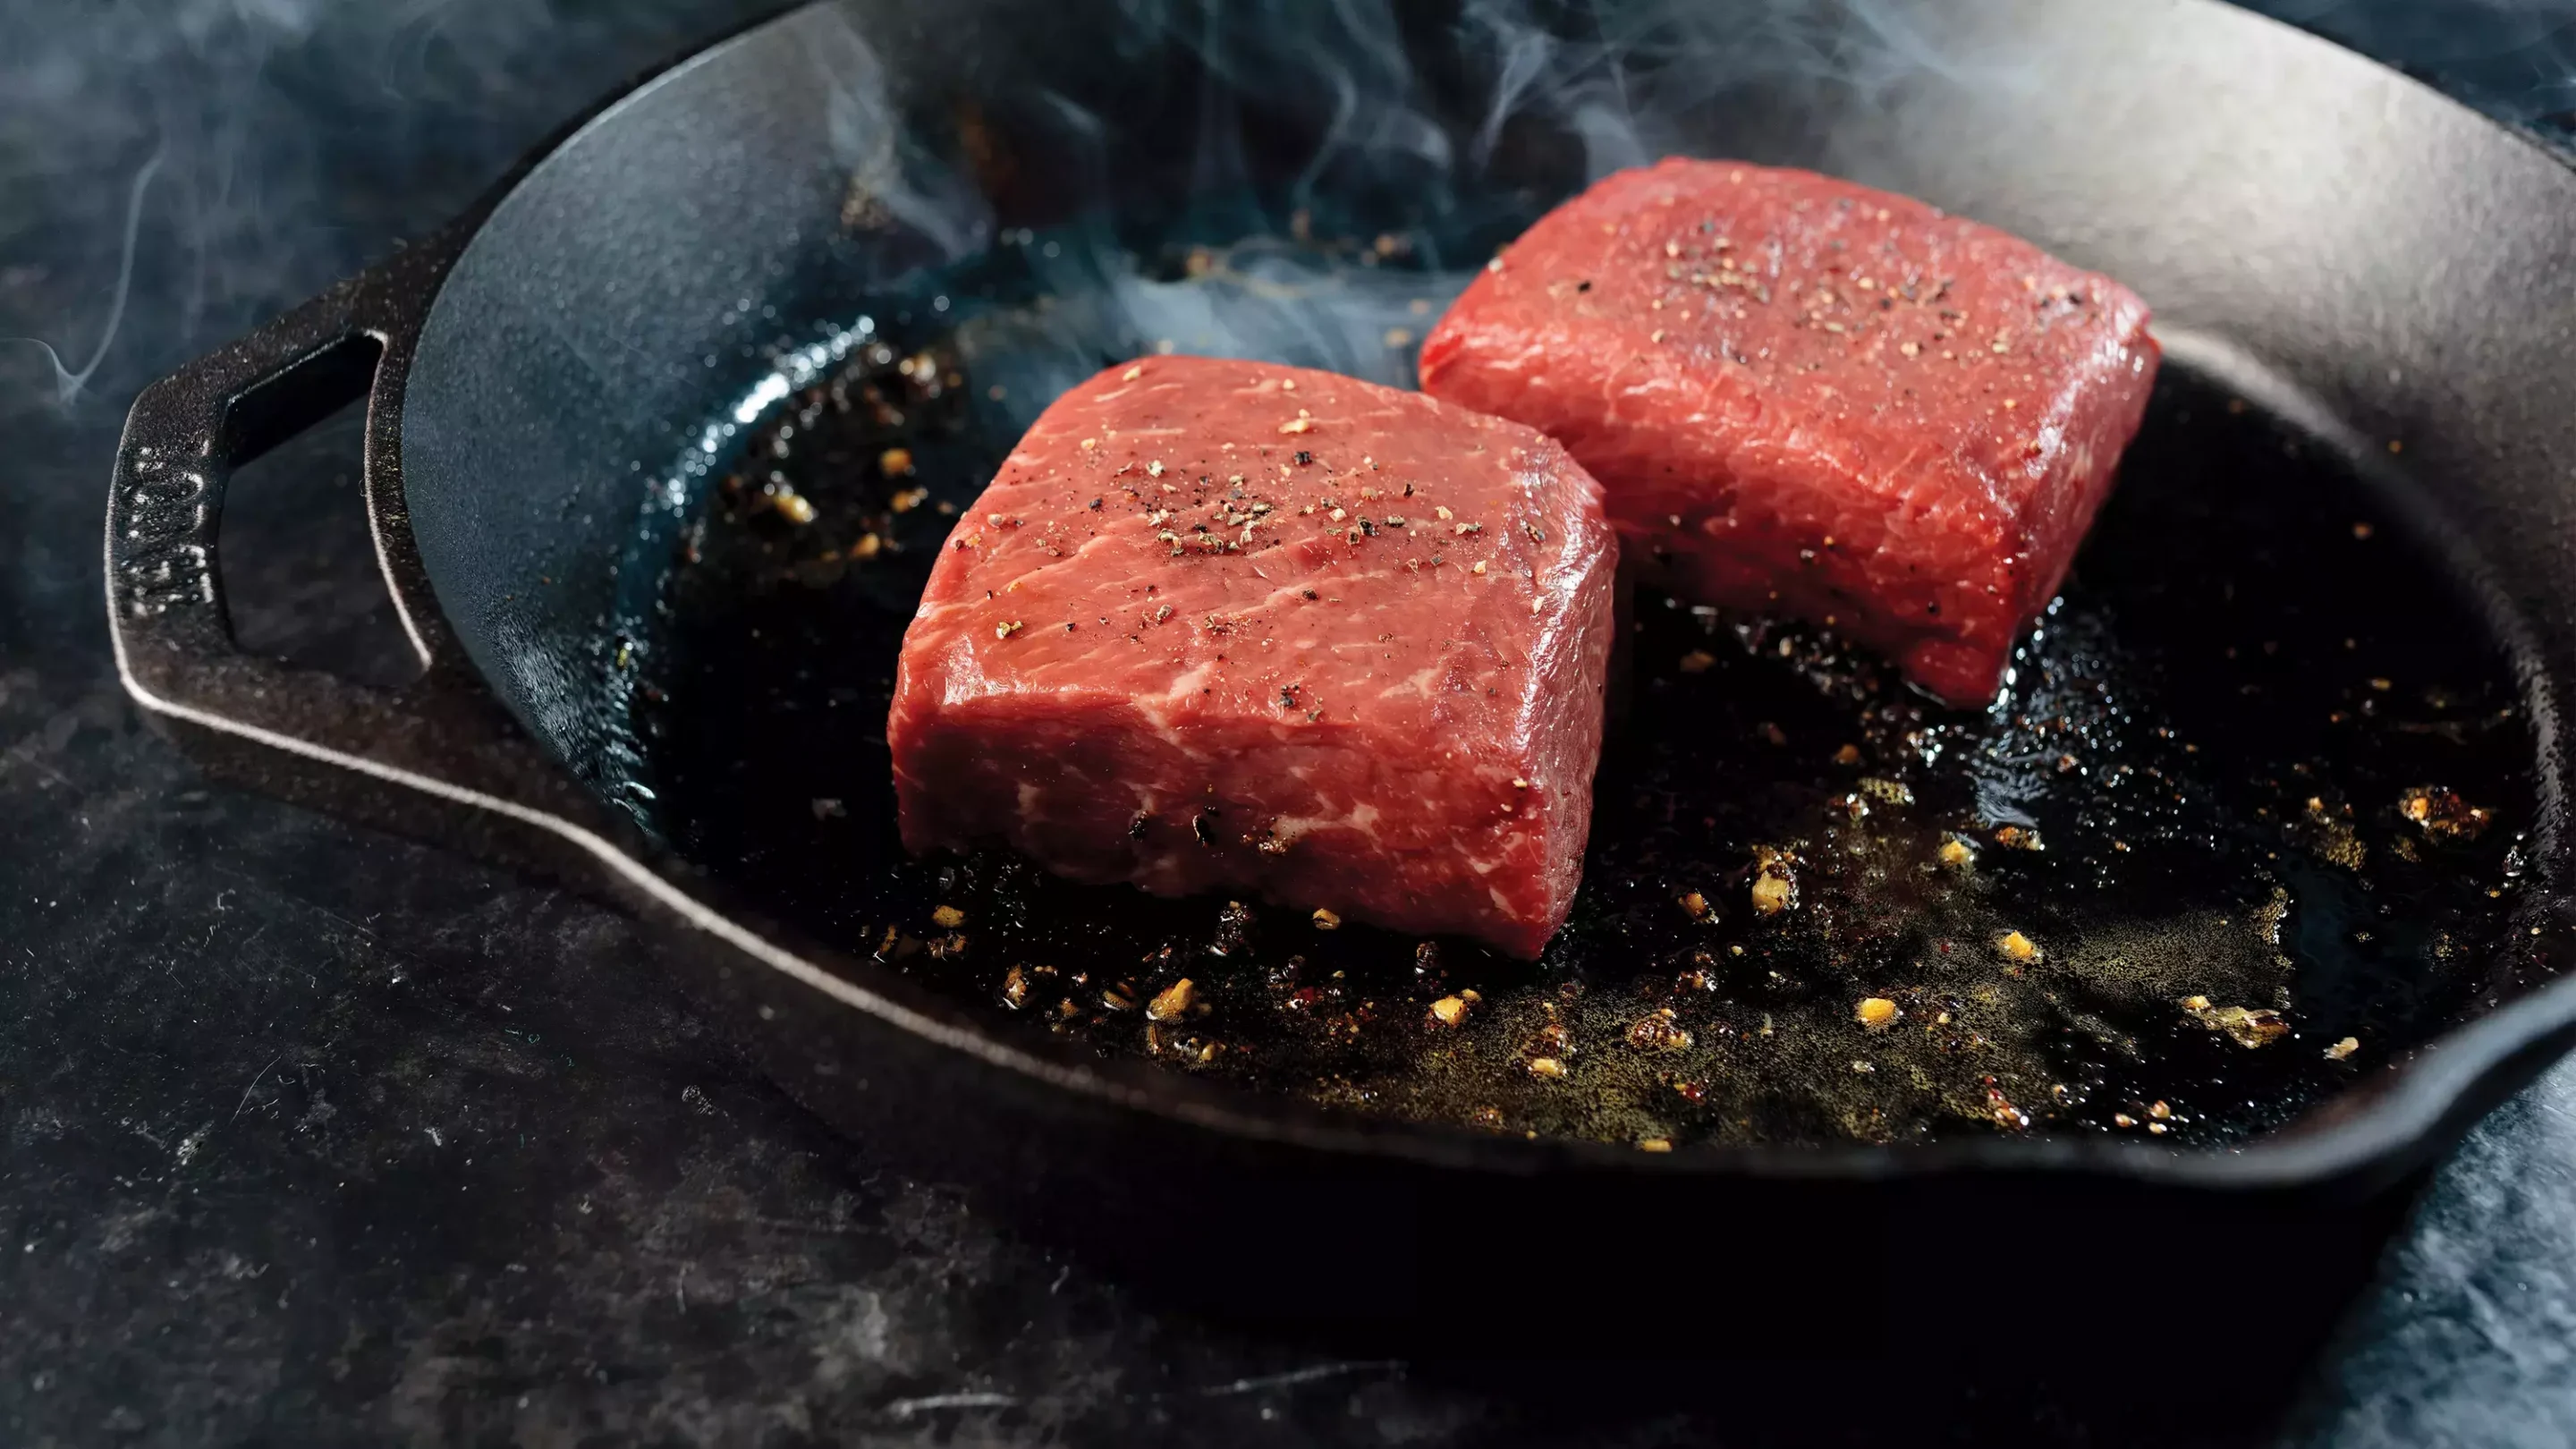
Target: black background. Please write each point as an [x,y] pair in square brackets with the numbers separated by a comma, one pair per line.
[308,1135]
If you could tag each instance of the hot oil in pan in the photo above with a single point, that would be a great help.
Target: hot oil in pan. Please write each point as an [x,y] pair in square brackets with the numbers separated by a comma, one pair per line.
[2246,822]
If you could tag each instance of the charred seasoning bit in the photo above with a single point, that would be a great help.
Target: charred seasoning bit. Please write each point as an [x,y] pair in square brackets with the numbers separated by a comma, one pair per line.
[1449,1010]
[2249,1027]
[2443,813]
[2343,1049]
[1876,1012]
[1659,1031]
[948,918]
[1172,1001]
[1326,921]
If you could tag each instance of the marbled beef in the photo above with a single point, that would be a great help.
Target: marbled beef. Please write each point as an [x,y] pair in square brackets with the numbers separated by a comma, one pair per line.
[1808,397]
[1234,625]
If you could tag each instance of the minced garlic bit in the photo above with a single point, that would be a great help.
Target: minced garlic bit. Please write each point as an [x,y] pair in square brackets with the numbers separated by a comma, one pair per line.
[1654,1144]
[1696,904]
[1479,569]
[793,507]
[1133,373]
[2017,946]
[2248,1027]
[948,918]
[2343,1048]
[1659,1031]
[1443,513]
[1847,755]
[1772,894]
[895,462]
[1007,628]
[2195,1003]
[1449,1010]
[1154,469]
[1298,425]
[1876,1012]
[1698,661]
[1955,853]
[1548,1067]
[1173,1000]
[1887,792]
[907,500]
[1326,921]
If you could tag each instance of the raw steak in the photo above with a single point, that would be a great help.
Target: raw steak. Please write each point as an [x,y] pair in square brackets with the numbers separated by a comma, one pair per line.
[1809,397]
[1230,624]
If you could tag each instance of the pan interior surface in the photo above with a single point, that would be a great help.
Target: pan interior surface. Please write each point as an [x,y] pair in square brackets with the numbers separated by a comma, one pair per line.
[2269,778]
[2153,889]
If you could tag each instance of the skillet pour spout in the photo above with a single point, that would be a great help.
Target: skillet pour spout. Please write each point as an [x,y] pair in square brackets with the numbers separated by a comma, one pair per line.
[530,371]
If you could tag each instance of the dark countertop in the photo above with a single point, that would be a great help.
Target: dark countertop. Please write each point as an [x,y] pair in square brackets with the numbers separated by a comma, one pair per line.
[311,1135]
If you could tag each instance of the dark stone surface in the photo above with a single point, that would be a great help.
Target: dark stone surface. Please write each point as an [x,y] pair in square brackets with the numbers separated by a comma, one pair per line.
[308,1135]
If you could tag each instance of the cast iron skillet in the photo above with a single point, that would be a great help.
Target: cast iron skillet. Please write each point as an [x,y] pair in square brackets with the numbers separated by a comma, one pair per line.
[2354,253]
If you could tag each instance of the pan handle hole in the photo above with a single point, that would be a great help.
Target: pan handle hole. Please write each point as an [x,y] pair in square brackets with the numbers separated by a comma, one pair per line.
[300,577]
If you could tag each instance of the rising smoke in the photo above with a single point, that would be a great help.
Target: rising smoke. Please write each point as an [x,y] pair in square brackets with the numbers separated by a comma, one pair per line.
[173,171]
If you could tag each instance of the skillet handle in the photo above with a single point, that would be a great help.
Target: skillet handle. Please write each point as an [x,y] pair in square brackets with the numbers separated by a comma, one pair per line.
[439,757]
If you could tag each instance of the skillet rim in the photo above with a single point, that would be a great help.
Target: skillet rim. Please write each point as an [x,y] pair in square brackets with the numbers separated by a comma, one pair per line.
[2379,1127]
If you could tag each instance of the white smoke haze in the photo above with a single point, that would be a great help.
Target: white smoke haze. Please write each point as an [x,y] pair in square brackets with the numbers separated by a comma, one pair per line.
[229,138]
[174,171]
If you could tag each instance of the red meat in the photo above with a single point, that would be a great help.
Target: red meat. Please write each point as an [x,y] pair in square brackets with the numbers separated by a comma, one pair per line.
[1234,625]
[1808,397]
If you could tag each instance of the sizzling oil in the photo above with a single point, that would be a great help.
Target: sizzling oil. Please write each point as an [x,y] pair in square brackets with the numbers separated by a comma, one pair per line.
[2247,815]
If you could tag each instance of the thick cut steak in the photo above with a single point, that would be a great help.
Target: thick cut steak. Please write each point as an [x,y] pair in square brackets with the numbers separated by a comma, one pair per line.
[1233,625]
[1807,397]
